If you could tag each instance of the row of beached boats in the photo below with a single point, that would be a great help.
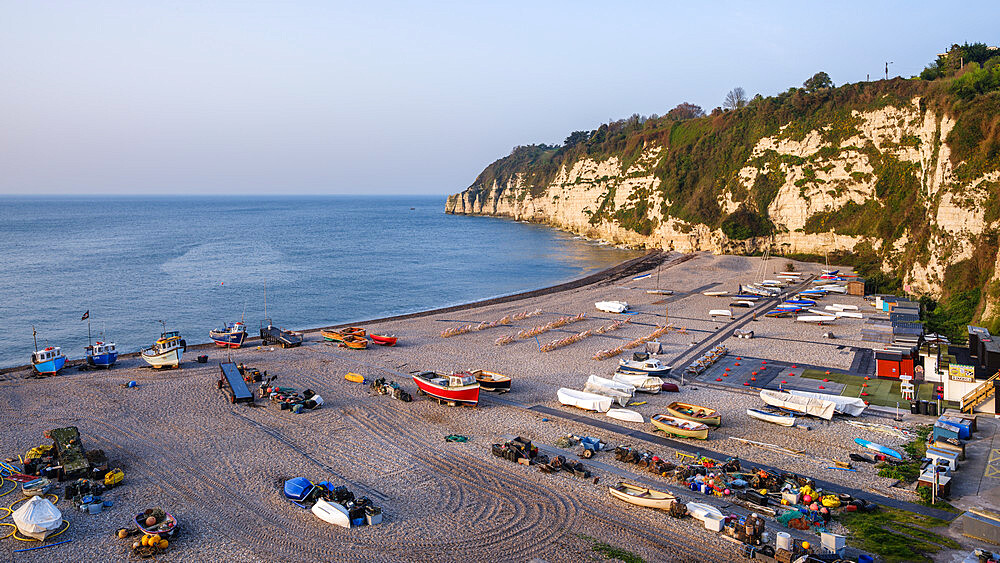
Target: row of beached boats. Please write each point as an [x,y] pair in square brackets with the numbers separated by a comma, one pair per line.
[356,337]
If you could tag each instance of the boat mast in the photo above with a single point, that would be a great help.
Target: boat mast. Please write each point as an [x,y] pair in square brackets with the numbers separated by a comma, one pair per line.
[89,339]
[164,325]
[265,303]
[33,338]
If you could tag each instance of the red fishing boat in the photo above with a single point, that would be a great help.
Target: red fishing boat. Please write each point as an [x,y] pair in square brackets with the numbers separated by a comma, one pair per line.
[383,340]
[460,387]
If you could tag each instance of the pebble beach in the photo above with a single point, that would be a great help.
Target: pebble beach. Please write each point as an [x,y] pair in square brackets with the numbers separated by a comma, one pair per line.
[219,467]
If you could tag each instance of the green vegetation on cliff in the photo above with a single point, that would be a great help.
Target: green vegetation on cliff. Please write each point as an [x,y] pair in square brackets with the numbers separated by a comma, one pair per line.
[701,157]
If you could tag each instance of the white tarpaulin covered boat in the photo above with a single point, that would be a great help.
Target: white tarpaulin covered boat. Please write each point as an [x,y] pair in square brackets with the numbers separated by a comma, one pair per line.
[37,518]
[844,405]
[644,383]
[821,408]
[332,513]
[612,306]
[626,415]
[584,400]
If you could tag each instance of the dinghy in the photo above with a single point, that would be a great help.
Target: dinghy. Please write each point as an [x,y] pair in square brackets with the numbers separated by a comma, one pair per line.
[626,415]
[878,448]
[821,319]
[460,387]
[643,383]
[720,313]
[612,306]
[715,293]
[852,406]
[491,381]
[695,413]
[779,418]
[660,291]
[680,427]
[701,511]
[383,339]
[332,513]
[38,518]
[812,406]
[612,384]
[620,397]
[642,496]
[849,314]
[584,400]
[742,303]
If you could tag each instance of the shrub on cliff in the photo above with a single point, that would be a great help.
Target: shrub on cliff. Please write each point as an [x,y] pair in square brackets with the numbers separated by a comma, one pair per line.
[743,224]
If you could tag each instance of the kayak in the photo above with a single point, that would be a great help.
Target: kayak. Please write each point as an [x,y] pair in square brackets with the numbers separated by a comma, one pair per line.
[878,448]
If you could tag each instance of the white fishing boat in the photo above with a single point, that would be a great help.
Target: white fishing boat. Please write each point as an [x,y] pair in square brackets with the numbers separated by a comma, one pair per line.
[626,415]
[820,319]
[778,418]
[812,406]
[166,351]
[715,293]
[332,513]
[649,366]
[852,406]
[612,306]
[642,496]
[644,383]
[584,400]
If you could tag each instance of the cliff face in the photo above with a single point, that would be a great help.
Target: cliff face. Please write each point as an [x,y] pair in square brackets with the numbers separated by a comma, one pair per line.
[881,181]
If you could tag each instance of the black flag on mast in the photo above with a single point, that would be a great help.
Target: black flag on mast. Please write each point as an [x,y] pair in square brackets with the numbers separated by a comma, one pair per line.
[85,315]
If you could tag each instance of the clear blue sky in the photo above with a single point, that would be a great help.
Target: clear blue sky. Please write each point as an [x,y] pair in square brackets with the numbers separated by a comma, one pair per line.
[408,97]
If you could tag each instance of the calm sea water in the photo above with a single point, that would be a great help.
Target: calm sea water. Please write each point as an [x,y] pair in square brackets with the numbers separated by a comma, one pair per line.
[198,262]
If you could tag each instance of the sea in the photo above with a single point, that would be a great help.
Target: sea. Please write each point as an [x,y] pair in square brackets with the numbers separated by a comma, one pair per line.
[134,265]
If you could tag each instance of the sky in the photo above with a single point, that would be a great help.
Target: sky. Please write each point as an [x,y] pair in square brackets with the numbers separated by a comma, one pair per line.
[377,97]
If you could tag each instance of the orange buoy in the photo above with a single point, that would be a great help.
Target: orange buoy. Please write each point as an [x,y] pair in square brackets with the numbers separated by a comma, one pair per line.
[753,379]
[718,379]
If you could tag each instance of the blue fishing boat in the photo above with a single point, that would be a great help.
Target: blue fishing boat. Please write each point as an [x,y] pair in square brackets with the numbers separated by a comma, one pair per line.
[808,302]
[47,361]
[101,354]
[232,335]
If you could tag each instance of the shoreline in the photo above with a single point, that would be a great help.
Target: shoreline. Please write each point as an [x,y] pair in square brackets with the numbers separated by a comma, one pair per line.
[648,261]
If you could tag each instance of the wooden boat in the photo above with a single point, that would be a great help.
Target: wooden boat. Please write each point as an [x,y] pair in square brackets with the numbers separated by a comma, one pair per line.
[626,415]
[383,340]
[332,513]
[812,406]
[612,306]
[644,383]
[354,342]
[584,400]
[680,427]
[491,381]
[779,418]
[230,336]
[166,351]
[642,496]
[460,387]
[695,413]
[332,335]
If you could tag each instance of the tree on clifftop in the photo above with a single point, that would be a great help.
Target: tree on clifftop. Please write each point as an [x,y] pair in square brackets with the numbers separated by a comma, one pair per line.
[818,80]
[576,137]
[735,99]
[685,111]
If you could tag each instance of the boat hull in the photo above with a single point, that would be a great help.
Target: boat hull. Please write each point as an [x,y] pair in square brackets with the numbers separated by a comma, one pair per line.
[331,513]
[584,400]
[711,418]
[383,340]
[693,430]
[641,496]
[626,415]
[228,339]
[50,367]
[169,359]
[467,394]
[773,418]
[104,360]
[490,381]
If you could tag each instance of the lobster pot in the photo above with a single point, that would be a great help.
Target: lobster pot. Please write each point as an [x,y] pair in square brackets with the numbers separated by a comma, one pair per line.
[783,540]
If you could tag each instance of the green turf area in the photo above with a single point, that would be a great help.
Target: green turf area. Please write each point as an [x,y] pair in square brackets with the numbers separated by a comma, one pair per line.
[896,535]
[882,392]
[611,552]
